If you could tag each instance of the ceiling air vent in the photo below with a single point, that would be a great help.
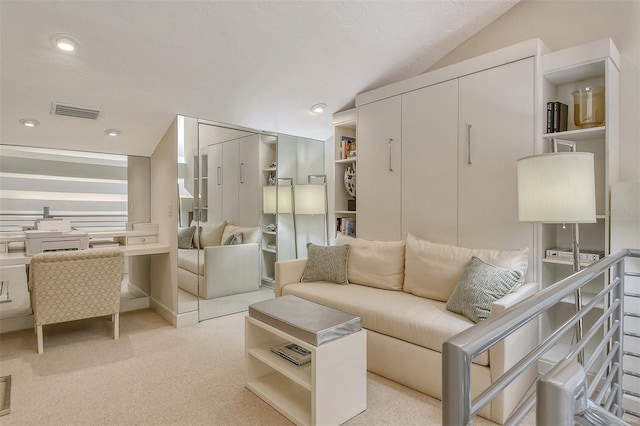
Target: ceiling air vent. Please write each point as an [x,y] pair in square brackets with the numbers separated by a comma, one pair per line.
[74,111]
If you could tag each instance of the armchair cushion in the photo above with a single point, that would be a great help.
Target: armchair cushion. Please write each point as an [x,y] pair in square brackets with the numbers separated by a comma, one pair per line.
[211,234]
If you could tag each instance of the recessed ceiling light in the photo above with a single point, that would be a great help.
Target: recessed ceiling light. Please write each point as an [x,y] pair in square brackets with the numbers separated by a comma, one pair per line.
[318,108]
[64,42]
[29,122]
[112,132]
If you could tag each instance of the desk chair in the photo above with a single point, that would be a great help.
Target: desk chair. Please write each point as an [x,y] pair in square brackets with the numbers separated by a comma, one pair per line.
[73,285]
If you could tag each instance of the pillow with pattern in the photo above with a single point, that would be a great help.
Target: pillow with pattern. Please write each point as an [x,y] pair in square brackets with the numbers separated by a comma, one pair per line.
[481,284]
[234,239]
[326,263]
[185,237]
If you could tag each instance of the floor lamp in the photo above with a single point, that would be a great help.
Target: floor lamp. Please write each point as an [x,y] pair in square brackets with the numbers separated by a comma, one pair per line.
[312,200]
[559,188]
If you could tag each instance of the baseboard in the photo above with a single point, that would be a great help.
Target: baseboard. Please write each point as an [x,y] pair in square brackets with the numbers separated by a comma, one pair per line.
[134,304]
[16,323]
[169,315]
[186,319]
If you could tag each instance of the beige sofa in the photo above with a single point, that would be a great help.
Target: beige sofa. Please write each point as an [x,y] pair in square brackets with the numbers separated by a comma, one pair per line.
[401,289]
[225,259]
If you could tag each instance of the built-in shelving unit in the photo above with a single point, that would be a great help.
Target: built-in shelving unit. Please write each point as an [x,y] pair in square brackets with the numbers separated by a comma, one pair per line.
[268,156]
[201,183]
[344,126]
[563,72]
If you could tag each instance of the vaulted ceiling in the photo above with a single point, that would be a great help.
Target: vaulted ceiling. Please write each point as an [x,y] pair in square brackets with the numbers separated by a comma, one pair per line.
[259,64]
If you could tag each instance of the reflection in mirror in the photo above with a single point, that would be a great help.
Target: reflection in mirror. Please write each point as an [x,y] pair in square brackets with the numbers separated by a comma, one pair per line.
[219,237]
[95,192]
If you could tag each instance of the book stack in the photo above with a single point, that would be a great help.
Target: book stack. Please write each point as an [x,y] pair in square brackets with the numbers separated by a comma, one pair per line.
[557,116]
[346,226]
[293,353]
[347,147]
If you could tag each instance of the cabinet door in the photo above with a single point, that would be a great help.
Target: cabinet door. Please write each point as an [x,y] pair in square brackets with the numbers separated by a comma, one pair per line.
[429,163]
[214,170]
[379,170]
[249,182]
[498,104]
[230,181]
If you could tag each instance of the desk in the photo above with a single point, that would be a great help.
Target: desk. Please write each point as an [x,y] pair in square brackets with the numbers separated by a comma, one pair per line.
[16,315]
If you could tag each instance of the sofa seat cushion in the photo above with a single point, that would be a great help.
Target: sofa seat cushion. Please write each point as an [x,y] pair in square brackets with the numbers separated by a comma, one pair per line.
[417,320]
[188,259]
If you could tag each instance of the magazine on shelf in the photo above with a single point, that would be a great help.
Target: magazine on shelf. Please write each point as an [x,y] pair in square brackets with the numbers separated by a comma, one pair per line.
[293,353]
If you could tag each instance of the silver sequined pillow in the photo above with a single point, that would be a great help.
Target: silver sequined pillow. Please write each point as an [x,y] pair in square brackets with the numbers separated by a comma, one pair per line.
[481,284]
[326,264]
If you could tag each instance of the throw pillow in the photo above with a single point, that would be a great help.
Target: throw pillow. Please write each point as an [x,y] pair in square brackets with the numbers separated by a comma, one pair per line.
[481,284]
[377,264]
[249,235]
[185,237]
[234,240]
[433,270]
[211,234]
[326,263]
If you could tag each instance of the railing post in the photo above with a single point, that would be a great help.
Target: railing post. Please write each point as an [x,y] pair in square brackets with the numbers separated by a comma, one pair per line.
[618,314]
[456,385]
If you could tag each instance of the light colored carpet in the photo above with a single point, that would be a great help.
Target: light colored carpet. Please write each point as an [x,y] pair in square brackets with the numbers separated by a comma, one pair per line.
[159,375]
[156,374]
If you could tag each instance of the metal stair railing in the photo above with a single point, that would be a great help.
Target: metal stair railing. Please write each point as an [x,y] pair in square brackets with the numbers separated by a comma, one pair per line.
[604,387]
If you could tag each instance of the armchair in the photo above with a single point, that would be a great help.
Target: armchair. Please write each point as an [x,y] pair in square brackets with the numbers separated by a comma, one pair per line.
[73,285]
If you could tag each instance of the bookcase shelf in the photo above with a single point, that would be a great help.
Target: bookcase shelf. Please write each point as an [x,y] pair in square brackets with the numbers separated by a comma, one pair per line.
[344,125]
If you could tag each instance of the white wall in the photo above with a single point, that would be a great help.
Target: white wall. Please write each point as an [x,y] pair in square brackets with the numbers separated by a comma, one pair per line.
[562,24]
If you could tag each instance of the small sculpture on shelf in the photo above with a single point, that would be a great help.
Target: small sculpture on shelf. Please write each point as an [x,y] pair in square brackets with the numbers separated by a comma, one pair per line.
[350,180]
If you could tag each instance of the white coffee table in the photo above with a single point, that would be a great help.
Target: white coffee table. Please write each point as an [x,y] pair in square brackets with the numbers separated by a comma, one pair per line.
[329,390]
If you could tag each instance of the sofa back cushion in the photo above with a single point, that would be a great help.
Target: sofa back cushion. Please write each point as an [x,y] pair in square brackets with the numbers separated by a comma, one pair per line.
[377,264]
[433,270]
[211,234]
[249,235]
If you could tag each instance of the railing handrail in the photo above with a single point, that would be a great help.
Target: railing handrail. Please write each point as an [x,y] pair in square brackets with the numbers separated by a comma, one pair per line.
[459,351]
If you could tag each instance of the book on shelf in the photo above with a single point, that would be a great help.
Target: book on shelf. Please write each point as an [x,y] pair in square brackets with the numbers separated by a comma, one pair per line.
[293,353]
[557,117]
[346,226]
[347,147]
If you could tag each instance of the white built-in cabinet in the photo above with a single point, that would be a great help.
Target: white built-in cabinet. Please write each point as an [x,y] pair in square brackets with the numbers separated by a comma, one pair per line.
[234,182]
[440,162]
[379,139]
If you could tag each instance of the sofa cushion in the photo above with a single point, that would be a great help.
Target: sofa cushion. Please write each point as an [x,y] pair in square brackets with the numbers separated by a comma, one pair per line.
[185,237]
[211,234]
[420,321]
[481,284]
[374,263]
[249,235]
[188,259]
[433,270]
[326,264]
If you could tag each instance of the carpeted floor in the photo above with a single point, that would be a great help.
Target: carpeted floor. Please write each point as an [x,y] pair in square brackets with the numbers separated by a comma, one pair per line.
[159,375]
[156,374]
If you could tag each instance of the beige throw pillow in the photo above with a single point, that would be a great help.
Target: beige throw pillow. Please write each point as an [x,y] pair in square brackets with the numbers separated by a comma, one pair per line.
[433,270]
[377,264]
[211,234]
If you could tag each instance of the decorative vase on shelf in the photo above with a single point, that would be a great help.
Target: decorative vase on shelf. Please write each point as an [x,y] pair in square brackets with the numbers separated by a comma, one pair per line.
[588,106]
[350,180]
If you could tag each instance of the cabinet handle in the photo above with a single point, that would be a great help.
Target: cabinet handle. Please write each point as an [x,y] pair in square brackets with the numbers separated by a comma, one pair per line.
[241,172]
[218,175]
[469,143]
[390,168]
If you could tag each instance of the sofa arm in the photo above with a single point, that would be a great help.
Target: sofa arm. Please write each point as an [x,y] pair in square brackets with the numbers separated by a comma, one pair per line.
[288,272]
[509,351]
[231,270]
